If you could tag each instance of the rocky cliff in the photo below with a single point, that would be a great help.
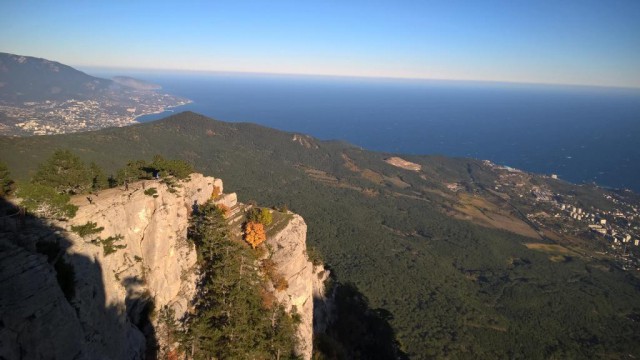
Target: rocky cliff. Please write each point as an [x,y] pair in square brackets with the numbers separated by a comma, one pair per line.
[305,281]
[139,261]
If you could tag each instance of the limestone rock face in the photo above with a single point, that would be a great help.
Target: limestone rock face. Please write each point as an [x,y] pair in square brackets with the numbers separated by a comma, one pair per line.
[140,257]
[157,264]
[305,280]
[228,200]
[36,321]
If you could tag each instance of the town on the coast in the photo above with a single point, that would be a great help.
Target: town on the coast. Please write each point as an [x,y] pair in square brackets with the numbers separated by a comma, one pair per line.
[609,220]
[109,109]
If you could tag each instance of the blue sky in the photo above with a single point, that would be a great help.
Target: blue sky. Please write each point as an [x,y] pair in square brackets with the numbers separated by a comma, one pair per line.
[571,42]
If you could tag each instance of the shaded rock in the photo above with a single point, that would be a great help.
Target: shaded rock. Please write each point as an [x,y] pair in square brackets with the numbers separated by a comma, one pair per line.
[36,321]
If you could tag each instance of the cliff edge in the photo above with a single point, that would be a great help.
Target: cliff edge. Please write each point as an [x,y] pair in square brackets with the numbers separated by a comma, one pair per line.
[135,259]
[305,280]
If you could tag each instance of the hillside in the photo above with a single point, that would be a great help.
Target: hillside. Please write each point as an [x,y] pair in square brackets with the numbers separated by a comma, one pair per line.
[467,259]
[42,97]
[26,78]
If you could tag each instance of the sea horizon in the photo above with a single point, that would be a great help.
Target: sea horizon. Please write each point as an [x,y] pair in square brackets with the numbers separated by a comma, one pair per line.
[107,72]
[584,134]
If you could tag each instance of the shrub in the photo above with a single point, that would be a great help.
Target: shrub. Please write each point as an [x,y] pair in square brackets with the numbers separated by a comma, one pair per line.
[260,215]
[151,192]
[269,269]
[87,229]
[171,184]
[314,256]
[283,208]
[281,283]
[109,245]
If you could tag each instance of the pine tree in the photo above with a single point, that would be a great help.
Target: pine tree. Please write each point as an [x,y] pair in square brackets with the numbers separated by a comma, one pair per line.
[134,170]
[64,172]
[45,201]
[99,180]
[230,319]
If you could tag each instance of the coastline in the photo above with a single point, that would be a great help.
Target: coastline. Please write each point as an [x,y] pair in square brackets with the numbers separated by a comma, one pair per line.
[164,112]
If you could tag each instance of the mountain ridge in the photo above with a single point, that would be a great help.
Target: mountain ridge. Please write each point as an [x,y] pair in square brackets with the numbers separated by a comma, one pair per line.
[26,78]
[43,97]
[441,250]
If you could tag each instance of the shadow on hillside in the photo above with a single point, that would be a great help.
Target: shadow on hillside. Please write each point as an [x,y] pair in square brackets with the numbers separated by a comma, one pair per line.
[354,330]
[53,303]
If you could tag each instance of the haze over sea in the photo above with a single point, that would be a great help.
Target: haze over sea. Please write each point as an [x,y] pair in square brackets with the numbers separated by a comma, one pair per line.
[583,134]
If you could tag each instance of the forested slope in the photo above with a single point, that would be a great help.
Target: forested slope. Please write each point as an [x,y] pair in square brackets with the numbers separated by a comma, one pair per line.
[454,286]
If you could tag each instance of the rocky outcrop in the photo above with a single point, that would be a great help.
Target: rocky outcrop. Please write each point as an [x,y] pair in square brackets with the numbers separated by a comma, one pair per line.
[304,279]
[152,266]
[153,225]
[140,260]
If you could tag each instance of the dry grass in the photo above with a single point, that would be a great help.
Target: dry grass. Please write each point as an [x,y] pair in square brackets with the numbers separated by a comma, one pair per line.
[320,175]
[558,258]
[483,212]
[550,248]
[349,163]
[397,181]
[372,176]
[557,253]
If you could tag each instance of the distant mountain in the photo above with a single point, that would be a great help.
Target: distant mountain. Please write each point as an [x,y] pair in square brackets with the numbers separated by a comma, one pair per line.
[25,78]
[135,83]
[42,97]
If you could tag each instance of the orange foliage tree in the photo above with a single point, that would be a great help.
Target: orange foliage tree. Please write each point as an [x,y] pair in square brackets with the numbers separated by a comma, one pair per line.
[254,234]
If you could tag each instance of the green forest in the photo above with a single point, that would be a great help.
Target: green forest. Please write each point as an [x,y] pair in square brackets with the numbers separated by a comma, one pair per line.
[448,287]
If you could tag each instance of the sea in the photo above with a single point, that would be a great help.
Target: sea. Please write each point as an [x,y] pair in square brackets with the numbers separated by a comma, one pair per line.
[582,134]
